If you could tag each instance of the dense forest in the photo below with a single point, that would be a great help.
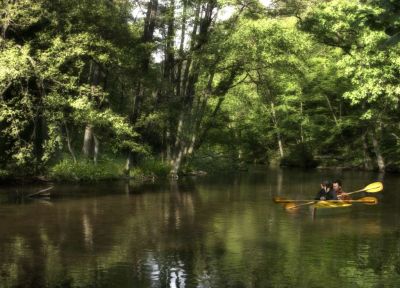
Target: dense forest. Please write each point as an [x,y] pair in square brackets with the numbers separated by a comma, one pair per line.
[99,88]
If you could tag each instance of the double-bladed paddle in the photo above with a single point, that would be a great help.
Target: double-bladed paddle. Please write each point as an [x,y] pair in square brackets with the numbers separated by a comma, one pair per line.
[371,188]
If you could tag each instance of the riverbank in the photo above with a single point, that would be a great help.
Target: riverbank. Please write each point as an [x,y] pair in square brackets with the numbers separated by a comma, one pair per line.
[105,170]
[141,174]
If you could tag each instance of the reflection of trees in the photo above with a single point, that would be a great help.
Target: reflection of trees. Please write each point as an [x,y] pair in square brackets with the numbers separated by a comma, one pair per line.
[186,235]
[83,240]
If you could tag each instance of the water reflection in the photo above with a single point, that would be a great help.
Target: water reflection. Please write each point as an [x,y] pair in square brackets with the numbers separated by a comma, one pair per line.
[223,232]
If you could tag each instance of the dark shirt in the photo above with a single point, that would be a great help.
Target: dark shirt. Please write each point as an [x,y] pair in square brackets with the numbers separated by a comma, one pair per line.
[323,195]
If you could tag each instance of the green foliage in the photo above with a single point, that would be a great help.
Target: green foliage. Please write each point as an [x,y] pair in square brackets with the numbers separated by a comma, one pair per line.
[337,23]
[150,168]
[83,170]
[299,156]
[362,29]
[211,164]
[250,87]
[54,62]
[3,174]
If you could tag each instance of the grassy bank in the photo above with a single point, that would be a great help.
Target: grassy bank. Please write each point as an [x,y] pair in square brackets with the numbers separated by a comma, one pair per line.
[83,170]
[107,169]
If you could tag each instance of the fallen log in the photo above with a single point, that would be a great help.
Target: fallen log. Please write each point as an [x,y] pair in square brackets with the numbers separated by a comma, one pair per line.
[41,193]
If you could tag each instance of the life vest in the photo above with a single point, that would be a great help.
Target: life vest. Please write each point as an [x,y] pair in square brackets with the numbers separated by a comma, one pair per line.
[344,197]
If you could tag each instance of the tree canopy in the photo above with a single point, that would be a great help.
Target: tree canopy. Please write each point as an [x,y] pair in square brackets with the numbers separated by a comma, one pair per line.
[291,82]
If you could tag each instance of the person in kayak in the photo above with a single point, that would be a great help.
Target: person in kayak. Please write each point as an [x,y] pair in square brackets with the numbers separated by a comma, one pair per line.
[340,194]
[326,192]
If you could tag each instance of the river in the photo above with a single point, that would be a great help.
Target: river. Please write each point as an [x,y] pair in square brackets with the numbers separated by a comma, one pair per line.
[211,231]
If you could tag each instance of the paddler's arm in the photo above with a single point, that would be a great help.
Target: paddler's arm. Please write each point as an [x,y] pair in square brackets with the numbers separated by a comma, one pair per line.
[318,196]
[344,196]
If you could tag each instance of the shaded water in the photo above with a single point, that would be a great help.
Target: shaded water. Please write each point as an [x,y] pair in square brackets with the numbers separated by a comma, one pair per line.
[205,232]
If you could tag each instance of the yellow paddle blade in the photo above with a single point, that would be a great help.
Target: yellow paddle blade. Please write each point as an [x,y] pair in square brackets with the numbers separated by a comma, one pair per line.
[369,200]
[278,199]
[374,187]
[290,206]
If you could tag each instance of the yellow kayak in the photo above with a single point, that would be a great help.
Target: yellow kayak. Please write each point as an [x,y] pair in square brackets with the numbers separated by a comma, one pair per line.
[329,208]
[331,205]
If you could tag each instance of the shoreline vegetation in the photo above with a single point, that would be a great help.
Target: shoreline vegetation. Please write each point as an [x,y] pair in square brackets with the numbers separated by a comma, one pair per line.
[85,171]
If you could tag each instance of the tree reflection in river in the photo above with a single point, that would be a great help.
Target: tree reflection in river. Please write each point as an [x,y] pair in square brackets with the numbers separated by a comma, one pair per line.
[200,233]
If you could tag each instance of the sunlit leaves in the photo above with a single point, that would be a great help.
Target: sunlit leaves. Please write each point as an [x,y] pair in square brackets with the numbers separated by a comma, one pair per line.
[14,63]
[337,23]
[47,53]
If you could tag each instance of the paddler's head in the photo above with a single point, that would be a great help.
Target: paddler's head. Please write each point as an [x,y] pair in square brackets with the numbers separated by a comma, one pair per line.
[337,185]
[327,185]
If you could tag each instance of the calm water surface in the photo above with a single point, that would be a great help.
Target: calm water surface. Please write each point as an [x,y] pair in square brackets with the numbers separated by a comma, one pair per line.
[207,232]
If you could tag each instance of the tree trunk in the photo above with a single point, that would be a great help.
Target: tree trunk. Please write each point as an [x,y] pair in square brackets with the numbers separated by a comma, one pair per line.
[128,164]
[367,158]
[188,62]
[39,130]
[137,103]
[331,109]
[178,82]
[222,88]
[38,138]
[166,152]
[278,134]
[190,119]
[176,163]
[95,149]
[70,149]
[168,145]
[88,138]
[150,20]
[264,90]
[88,141]
[169,49]
[147,37]
[301,123]
[5,21]
[379,158]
